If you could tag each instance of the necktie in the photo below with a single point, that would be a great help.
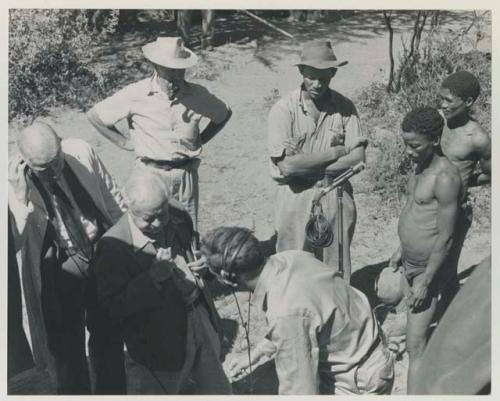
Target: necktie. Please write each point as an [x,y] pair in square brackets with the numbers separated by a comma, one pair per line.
[72,222]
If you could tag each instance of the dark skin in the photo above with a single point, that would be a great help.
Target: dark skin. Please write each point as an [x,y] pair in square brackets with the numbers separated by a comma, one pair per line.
[295,163]
[171,82]
[464,141]
[435,183]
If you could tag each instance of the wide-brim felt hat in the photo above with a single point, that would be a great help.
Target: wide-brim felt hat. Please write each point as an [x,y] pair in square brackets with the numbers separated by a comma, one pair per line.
[319,54]
[170,52]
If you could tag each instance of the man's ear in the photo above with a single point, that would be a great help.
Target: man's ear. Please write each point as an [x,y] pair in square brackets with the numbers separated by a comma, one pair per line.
[469,101]
[334,71]
[437,141]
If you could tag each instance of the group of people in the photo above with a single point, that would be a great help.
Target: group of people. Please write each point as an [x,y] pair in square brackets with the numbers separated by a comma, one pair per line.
[129,265]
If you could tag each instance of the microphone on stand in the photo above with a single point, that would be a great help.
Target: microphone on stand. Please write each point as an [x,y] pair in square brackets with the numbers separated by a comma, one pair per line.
[340,180]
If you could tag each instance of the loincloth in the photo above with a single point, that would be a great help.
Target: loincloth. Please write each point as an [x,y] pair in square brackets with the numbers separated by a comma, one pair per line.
[411,268]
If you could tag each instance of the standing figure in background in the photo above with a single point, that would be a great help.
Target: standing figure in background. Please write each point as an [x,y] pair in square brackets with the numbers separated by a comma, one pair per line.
[314,135]
[465,143]
[184,20]
[160,118]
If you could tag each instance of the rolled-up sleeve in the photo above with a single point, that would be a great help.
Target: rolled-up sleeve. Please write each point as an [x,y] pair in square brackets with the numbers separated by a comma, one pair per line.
[211,107]
[116,107]
[279,129]
[353,129]
[296,355]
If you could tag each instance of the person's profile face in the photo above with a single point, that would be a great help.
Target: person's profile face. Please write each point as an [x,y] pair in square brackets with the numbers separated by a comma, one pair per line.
[47,169]
[316,82]
[418,147]
[452,105]
[170,80]
[150,219]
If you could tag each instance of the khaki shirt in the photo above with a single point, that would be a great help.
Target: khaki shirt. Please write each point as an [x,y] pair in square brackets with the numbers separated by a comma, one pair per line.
[162,129]
[316,321]
[289,118]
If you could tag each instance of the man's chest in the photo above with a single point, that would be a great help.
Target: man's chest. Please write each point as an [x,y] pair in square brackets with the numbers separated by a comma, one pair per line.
[320,130]
[457,145]
[162,113]
[421,188]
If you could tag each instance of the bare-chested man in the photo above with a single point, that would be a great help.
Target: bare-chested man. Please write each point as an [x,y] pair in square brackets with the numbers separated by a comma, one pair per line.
[426,227]
[465,144]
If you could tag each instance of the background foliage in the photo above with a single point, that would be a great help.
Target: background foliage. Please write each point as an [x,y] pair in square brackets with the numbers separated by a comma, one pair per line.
[440,54]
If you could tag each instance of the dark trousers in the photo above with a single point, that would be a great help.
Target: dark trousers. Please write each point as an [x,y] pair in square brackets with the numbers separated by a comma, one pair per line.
[64,313]
[106,353]
[65,297]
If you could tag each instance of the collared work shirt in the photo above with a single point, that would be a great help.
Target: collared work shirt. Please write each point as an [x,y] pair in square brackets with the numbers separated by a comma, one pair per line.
[338,125]
[162,129]
[185,280]
[316,321]
[289,118]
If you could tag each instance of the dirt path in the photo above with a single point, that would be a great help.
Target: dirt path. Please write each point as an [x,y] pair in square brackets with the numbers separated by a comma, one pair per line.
[235,185]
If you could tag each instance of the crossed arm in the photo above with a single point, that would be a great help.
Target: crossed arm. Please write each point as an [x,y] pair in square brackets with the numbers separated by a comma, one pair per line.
[333,160]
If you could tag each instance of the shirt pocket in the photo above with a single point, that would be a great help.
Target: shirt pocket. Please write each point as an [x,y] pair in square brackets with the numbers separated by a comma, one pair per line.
[336,133]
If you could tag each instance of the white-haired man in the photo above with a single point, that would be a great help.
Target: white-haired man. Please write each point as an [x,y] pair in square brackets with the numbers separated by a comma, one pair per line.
[148,282]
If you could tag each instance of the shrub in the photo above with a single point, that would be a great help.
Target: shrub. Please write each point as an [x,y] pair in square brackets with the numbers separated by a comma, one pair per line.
[439,55]
[49,58]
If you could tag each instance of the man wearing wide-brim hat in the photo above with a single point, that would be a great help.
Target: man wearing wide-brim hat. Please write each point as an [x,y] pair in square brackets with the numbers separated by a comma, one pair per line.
[314,133]
[163,115]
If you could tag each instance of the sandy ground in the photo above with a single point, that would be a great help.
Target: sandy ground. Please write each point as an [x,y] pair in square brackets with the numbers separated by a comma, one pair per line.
[250,74]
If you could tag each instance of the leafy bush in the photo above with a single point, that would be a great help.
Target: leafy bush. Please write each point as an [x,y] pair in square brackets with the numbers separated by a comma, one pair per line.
[440,55]
[49,58]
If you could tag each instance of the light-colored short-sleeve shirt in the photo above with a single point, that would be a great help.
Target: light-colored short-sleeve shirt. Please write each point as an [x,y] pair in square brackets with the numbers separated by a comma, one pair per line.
[289,118]
[316,321]
[162,129]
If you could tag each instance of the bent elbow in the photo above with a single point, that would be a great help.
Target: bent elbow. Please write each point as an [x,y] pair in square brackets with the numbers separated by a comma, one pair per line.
[287,169]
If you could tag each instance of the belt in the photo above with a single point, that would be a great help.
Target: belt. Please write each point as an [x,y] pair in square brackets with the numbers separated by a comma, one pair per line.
[192,306]
[166,164]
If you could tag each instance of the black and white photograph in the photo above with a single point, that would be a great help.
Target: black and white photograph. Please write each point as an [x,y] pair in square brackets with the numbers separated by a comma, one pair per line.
[249,201]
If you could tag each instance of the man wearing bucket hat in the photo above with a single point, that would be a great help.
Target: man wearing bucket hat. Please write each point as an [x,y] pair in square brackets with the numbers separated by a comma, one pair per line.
[160,118]
[314,134]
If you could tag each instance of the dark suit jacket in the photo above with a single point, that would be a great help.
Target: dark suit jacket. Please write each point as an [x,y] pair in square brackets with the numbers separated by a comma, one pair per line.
[153,320]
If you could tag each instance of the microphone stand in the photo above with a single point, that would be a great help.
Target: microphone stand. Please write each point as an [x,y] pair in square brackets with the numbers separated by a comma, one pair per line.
[338,184]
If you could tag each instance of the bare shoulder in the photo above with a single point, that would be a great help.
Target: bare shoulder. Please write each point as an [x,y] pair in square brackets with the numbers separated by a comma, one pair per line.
[448,179]
[480,138]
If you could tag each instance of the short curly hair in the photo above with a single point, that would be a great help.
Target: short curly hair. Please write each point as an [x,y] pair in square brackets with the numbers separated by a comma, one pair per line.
[462,84]
[424,120]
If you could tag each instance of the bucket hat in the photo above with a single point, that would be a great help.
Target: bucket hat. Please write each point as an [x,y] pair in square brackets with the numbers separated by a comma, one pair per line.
[319,54]
[170,52]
